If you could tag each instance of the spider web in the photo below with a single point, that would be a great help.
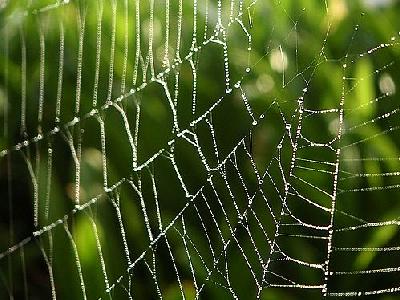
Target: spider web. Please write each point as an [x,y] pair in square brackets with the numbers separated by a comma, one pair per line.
[190,174]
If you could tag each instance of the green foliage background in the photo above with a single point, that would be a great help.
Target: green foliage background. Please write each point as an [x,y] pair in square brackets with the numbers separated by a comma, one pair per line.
[318,37]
